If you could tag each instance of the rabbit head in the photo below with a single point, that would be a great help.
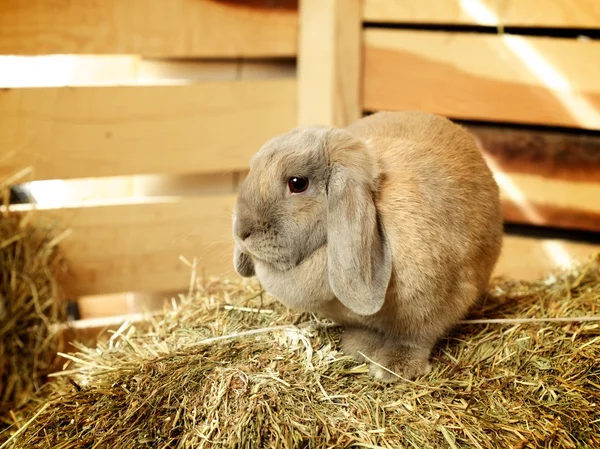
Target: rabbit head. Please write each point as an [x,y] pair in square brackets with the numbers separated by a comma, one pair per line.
[309,189]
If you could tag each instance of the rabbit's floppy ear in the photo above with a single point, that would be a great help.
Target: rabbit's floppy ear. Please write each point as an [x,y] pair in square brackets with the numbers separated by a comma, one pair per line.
[242,263]
[359,255]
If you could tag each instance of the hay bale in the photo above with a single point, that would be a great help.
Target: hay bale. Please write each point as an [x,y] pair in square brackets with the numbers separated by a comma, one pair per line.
[31,307]
[231,368]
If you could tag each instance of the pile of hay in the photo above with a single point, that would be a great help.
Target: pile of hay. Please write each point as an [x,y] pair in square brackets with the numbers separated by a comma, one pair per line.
[229,367]
[31,308]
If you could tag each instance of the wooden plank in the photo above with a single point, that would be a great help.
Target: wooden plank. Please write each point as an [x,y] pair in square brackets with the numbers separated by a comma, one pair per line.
[522,13]
[175,28]
[136,247]
[547,178]
[89,331]
[529,259]
[104,306]
[329,61]
[523,258]
[533,199]
[184,185]
[506,78]
[187,70]
[115,131]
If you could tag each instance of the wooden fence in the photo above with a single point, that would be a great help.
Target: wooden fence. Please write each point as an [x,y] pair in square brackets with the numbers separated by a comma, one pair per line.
[176,96]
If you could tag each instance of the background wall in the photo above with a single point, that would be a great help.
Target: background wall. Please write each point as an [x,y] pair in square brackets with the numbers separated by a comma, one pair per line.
[135,121]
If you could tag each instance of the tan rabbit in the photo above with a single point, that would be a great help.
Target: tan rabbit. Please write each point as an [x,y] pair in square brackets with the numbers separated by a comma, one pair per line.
[391,227]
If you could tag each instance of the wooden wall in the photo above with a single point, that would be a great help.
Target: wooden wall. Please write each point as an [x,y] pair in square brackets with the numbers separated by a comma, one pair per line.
[165,105]
[524,78]
[525,63]
[161,112]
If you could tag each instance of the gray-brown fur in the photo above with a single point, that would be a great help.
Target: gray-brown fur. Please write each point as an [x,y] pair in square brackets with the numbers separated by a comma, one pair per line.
[395,238]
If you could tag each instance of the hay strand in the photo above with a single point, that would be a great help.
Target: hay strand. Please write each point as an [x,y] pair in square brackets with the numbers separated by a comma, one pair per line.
[25,426]
[31,304]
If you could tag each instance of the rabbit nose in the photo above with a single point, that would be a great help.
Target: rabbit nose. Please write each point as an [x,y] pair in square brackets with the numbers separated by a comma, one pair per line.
[243,229]
[241,226]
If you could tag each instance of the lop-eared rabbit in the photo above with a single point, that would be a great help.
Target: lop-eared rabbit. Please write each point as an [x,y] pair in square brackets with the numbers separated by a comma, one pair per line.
[391,227]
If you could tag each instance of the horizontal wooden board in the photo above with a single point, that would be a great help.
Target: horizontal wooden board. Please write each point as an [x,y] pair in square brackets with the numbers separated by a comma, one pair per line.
[104,306]
[194,70]
[177,28]
[523,13]
[547,178]
[115,131]
[532,199]
[509,78]
[136,247]
[522,258]
[529,259]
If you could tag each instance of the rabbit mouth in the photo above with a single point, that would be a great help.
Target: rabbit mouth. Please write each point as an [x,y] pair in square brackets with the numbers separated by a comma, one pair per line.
[276,253]
[274,263]
[277,261]
[267,255]
[281,262]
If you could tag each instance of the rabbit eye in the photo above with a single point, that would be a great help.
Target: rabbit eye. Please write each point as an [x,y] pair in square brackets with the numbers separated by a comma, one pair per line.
[297,184]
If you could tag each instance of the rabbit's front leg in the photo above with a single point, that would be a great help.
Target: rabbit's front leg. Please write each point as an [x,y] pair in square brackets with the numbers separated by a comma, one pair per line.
[398,360]
[389,359]
[360,343]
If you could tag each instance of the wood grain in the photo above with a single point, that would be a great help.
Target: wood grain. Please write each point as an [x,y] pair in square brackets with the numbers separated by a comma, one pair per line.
[547,178]
[547,214]
[512,79]
[567,156]
[110,305]
[115,131]
[136,247]
[524,13]
[175,28]
[538,200]
[527,258]
[329,61]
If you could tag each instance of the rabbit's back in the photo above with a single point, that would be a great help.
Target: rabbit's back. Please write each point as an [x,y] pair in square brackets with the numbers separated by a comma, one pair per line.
[434,181]
[441,211]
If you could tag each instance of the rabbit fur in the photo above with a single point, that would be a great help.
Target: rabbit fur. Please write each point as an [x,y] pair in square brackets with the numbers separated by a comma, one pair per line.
[395,237]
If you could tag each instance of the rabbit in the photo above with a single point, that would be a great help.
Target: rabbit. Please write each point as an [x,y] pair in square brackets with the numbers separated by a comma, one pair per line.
[391,227]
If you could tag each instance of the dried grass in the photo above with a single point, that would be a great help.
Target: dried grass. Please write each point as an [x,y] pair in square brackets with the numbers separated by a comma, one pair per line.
[230,367]
[31,306]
